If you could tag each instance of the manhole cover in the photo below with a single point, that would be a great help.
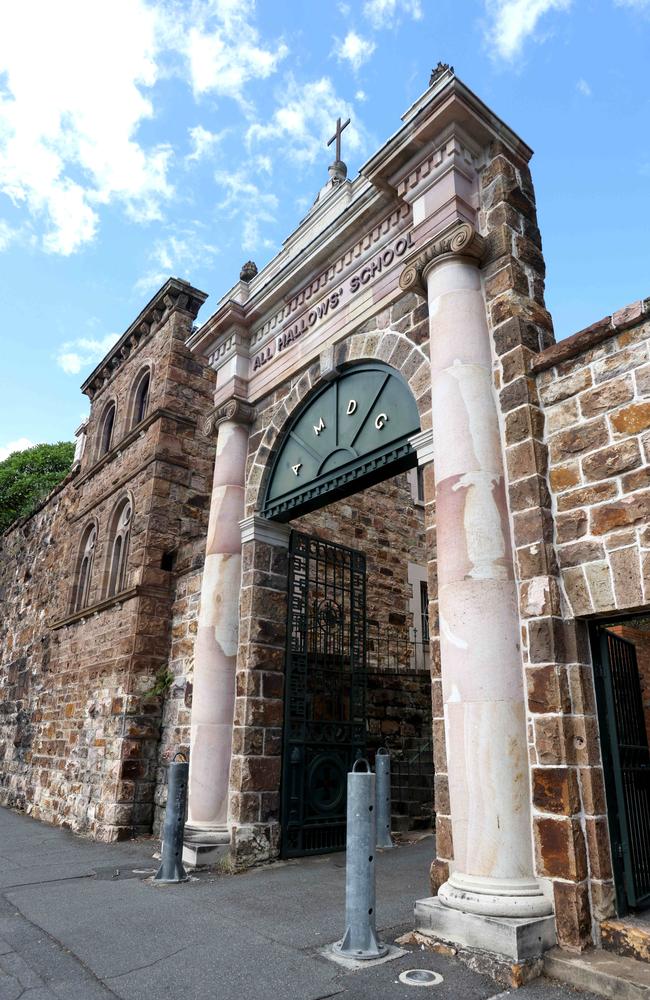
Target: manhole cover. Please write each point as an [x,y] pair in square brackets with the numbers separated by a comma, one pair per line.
[420,977]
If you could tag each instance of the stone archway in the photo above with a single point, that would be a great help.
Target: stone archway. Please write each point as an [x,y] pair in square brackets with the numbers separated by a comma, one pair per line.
[259,707]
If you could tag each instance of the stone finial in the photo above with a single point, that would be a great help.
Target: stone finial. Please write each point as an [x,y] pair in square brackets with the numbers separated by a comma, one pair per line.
[248,271]
[438,72]
[338,172]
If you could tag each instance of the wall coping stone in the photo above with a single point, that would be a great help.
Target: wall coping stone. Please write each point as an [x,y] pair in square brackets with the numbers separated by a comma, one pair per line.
[609,326]
[259,529]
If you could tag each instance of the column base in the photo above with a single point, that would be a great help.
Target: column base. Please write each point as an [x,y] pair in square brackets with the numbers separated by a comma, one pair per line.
[204,846]
[516,939]
[492,897]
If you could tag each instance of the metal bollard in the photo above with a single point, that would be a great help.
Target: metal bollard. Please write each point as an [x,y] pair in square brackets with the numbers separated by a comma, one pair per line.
[382,773]
[171,868]
[360,940]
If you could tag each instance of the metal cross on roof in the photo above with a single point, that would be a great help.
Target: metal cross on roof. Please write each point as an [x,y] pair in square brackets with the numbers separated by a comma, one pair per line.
[337,136]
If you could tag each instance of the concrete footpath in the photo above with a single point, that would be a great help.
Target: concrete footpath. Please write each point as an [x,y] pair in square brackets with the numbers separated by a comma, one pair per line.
[83,921]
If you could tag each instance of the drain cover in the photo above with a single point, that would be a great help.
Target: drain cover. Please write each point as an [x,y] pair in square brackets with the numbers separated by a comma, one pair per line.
[420,977]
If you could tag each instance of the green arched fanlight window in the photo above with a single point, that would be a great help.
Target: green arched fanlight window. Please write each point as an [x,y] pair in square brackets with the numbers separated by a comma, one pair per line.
[354,432]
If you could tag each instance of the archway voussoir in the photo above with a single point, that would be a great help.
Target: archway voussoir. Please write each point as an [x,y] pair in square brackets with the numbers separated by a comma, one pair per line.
[386,346]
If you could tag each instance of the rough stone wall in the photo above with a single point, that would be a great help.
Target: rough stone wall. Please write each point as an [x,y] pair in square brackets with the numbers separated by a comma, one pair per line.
[597,409]
[397,336]
[82,692]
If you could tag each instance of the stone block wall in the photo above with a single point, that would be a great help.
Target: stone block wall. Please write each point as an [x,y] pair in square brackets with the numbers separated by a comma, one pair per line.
[595,389]
[82,691]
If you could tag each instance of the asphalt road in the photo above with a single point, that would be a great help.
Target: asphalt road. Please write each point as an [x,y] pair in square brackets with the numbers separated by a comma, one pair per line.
[83,921]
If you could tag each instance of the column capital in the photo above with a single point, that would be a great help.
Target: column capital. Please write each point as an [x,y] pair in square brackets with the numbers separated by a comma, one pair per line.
[236,410]
[461,239]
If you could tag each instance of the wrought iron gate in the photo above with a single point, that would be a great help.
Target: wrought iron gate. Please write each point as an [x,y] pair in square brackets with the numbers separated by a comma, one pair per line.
[627,762]
[324,724]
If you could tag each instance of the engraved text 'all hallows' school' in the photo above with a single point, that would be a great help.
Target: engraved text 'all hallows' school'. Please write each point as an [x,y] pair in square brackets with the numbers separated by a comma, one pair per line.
[384,259]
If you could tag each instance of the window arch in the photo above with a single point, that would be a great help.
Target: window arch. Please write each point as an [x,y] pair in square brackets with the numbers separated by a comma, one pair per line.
[106,430]
[83,576]
[140,397]
[119,546]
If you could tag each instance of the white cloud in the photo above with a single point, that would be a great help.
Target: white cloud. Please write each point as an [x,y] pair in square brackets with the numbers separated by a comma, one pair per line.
[303,121]
[73,355]
[356,49]
[20,444]
[634,4]
[7,235]
[385,13]
[245,199]
[176,255]
[361,96]
[583,88]
[77,81]
[73,99]
[512,21]
[204,143]
[223,47]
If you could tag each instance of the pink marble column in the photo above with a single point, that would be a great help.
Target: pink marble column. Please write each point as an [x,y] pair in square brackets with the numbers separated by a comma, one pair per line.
[482,676]
[215,651]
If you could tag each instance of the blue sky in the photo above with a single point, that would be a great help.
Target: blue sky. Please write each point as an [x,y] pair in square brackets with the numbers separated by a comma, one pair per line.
[139,140]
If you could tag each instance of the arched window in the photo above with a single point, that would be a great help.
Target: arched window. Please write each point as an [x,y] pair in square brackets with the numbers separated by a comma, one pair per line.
[119,547]
[106,434]
[85,568]
[141,398]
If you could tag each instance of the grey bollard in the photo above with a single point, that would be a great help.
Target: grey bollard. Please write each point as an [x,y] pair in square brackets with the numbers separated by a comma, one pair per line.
[171,868]
[360,940]
[382,774]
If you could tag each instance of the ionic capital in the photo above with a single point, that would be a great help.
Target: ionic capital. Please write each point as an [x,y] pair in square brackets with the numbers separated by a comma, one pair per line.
[235,410]
[461,239]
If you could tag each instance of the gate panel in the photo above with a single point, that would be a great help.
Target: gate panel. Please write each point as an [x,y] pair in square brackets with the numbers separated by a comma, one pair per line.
[629,759]
[324,726]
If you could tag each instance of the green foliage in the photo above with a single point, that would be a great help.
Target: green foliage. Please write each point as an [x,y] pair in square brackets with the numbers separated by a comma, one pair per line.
[162,683]
[26,477]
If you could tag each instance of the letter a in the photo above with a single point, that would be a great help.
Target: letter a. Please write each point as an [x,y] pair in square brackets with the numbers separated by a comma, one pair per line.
[295,468]
[320,426]
[352,405]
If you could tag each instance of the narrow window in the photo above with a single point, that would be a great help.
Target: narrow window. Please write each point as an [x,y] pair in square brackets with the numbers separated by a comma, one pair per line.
[141,399]
[420,482]
[82,588]
[424,609]
[119,548]
[107,430]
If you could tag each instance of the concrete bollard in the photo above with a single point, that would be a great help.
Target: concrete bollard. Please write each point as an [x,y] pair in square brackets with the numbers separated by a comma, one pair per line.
[382,776]
[360,940]
[171,868]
